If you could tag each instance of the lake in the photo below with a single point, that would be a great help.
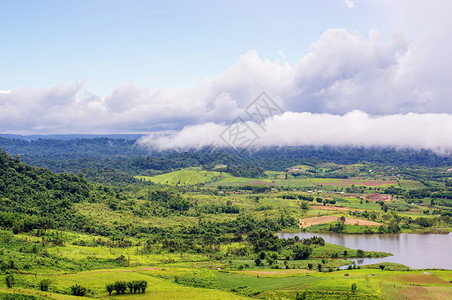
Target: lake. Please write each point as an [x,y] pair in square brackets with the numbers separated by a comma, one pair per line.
[419,251]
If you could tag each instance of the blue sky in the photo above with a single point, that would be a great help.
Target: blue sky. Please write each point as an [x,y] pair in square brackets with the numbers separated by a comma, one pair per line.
[173,44]
[192,67]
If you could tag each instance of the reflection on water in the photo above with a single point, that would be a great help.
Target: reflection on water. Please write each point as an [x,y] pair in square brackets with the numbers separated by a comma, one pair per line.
[411,249]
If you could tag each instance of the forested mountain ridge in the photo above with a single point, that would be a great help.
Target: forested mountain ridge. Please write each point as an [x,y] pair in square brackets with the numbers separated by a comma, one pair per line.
[116,161]
[32,197]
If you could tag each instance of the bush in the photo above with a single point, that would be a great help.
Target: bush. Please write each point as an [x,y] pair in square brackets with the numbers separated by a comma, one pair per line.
[9,280]
[78,290]
[353,287]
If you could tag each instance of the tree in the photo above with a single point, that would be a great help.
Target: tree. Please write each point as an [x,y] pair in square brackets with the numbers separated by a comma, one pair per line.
[110,287]
[9,279]
[302,252]
[319,267]
[44,284]
[258,261]
[345,253]
[120,287]
[342,219]
[310,266]
[382,267]
[143,286]
[130,286]
[353,287]
[360,253]
[270,261]
[78,290]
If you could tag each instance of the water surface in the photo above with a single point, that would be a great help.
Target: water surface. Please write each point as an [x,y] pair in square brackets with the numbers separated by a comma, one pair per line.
[416,250]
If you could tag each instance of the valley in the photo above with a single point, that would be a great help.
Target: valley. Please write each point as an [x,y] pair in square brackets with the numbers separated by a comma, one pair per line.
[207,225]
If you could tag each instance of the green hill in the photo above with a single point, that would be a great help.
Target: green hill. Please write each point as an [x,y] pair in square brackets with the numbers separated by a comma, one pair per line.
[187,176]
[32,197]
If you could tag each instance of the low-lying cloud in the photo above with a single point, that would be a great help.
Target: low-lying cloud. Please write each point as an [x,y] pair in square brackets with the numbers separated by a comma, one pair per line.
[428,131]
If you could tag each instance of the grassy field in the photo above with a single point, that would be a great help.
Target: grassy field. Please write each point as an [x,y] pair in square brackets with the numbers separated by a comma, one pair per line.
[410,184]
[193,283]
[188,176]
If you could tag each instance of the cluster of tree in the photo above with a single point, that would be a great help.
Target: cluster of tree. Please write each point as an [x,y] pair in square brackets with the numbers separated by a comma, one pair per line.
[135,286]
[255,189]
[218,208]
[315,240]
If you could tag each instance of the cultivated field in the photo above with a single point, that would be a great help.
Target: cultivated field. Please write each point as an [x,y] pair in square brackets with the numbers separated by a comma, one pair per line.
[328,219]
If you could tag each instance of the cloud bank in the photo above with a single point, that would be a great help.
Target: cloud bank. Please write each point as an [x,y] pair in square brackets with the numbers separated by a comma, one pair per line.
[427,131]
[343,72]
[400,86]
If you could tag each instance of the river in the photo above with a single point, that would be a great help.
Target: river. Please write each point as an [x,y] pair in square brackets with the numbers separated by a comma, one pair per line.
[419,251]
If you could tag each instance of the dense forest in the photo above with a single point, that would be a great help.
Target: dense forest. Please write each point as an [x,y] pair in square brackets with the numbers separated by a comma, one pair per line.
[108,160]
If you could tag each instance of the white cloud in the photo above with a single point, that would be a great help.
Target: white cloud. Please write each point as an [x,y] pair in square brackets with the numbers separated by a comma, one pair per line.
[356,128]
[385,79]
[350,4]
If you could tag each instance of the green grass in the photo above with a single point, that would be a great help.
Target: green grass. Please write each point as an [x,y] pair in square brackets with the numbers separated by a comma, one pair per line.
[188,176]
[410,184]
[259,284]
[158,288]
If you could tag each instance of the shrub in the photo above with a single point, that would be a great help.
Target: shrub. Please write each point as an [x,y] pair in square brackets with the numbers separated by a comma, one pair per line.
[78,290]
[353,287]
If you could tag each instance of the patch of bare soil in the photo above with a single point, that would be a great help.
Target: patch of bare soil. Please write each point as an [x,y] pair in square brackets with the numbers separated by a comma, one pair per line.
[328,219]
